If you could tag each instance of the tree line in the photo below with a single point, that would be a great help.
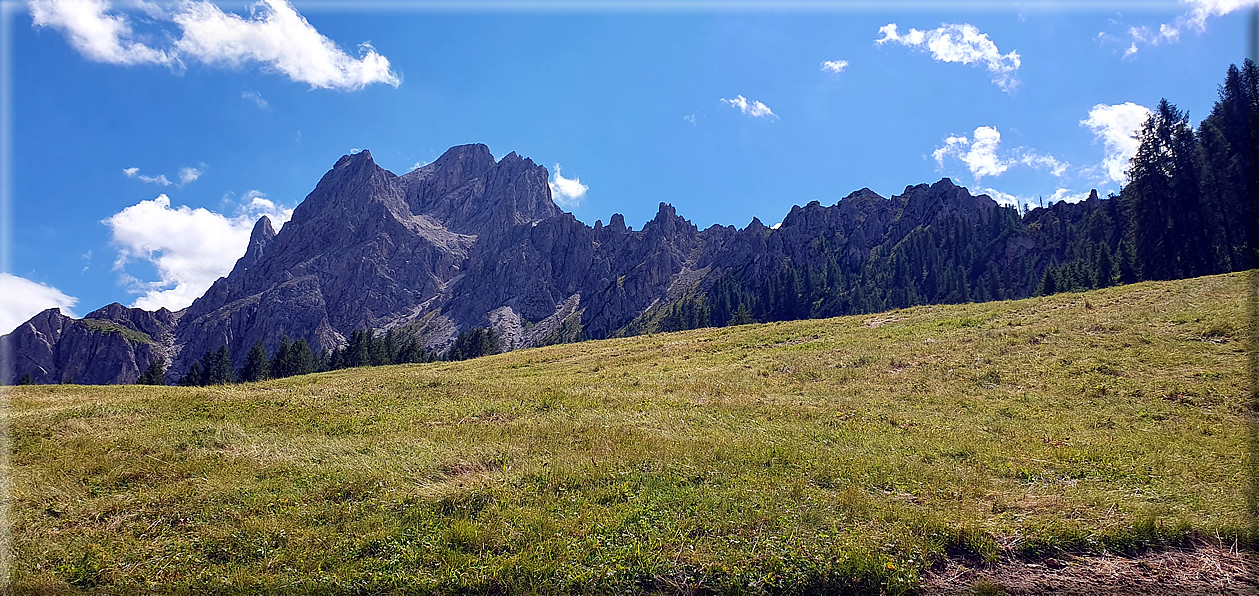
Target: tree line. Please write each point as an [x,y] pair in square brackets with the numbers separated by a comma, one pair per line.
[364,348]
[1186,211]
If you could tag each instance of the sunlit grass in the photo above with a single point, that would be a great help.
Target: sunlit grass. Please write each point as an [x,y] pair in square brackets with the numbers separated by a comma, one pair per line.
[845,454]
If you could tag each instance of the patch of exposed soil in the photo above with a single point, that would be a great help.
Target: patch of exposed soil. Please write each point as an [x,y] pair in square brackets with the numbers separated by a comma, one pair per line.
[1204,569]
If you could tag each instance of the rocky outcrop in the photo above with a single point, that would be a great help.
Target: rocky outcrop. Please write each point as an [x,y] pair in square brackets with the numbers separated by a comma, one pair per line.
[112,345]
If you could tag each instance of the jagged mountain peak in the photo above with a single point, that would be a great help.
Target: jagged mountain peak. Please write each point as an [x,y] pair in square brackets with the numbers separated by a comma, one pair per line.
[471,241]
[261,236]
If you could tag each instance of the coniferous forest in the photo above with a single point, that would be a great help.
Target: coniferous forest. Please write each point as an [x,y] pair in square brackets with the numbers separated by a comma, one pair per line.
[1187,211]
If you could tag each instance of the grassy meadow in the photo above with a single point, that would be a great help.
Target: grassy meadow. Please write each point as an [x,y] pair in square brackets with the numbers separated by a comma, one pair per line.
[839,455]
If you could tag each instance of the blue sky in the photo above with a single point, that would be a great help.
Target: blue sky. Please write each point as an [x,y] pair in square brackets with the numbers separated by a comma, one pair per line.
[144,139]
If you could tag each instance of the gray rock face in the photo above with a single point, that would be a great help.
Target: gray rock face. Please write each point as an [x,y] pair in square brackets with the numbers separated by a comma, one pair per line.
[463,242]
[109,346]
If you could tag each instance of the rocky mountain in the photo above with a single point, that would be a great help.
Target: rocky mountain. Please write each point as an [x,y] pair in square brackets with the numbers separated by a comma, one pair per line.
[468,241]
[111,345]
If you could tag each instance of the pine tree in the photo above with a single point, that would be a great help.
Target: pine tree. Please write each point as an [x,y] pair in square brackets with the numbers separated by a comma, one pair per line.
[1163,198]
[1105,267]
[301,358]
[155,374]
[27,379]
[741,316]
[257,366]
[280,359]
[1048,282]
[217,367]
[192,378]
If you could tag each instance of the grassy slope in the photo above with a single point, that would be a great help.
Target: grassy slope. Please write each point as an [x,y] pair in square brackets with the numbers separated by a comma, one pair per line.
[841,453]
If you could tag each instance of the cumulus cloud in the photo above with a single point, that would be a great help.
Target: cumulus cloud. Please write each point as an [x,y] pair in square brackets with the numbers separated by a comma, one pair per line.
[753,108]
[981,154]
[256,98]
[690,118]
[279,39]
[189,248]
[95,31]
[274,36]
[962,44]
[21,299]
[835,66]
[1116,126]
[567,192]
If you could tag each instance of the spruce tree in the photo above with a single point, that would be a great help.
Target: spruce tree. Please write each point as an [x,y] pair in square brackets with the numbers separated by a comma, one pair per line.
[155,374]
[257,366]
[1105,268]
[280,359]
[302,359]
[1048,283]
[192,378]
[217,367]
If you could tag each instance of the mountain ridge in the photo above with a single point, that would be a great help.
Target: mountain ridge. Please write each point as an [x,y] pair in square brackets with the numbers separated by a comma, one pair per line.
[469,241]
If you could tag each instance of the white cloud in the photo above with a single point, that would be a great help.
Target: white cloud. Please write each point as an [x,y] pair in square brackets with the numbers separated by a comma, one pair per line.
[981,154]
[277,38]
[1116,126]
[954,146]
[1201,10]
[189,175]
[1195,19]
[835,66]
[567,192]
[159,179]
[257,98]
[960,43]
[189,248]
[274,36]
[95,31]
[21,299]
[1036,161]
[1004,198]
[1143,35]
[1066,195]
[690,118]
[753,108]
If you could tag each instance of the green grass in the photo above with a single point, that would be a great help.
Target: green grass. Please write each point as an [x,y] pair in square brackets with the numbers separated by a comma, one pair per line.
[105,326]
[840,455]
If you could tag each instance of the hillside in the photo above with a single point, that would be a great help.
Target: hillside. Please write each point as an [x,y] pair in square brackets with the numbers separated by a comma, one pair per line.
[856,453]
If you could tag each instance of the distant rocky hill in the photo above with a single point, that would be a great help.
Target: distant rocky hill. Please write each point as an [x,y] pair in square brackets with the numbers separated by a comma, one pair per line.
[468,241]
